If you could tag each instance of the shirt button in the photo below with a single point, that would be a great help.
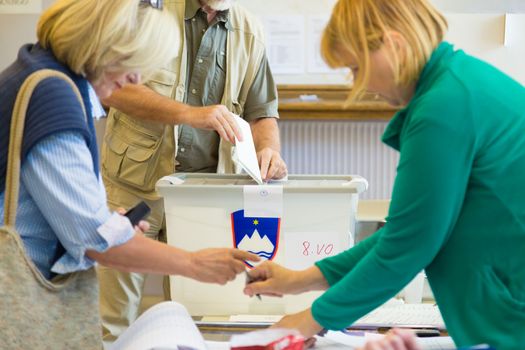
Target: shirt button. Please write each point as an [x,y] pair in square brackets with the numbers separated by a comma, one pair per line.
[193,19]
[182,149]
[200,60]
[193,91]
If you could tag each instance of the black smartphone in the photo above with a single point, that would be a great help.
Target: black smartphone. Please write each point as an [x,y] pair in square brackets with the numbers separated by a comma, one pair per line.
[137,213]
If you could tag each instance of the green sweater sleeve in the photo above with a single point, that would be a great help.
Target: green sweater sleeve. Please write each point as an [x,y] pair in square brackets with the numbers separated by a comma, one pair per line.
[434,167]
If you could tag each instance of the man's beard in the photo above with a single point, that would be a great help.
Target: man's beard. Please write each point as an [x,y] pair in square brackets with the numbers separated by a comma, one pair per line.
[218,5]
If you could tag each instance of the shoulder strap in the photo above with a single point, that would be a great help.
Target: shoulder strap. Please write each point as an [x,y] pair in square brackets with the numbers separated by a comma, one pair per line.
[18,117]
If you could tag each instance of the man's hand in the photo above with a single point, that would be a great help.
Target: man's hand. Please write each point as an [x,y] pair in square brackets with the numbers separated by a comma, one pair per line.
[218,265]
[265,133]
[271,164]
[302,321]
[217,118]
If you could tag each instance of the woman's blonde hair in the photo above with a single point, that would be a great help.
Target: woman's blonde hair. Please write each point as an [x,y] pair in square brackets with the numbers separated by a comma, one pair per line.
[95,36]
[359,27]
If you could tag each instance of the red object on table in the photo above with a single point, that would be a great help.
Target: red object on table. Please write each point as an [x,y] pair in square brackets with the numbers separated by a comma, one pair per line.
[288,342]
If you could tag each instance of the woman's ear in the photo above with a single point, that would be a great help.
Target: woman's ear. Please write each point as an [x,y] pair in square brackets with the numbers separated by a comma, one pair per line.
[395,42]
[396,47]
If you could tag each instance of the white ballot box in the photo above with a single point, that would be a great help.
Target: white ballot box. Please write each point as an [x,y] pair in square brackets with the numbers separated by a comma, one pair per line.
[293,223]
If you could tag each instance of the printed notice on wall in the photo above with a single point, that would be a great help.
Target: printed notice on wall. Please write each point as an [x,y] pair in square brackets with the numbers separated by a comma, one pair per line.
[285,38]
[316,25]
[20,6]
[315,62]
[303,249]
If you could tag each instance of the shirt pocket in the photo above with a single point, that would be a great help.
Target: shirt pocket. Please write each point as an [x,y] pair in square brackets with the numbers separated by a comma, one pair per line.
[131,155]
[220,58]
[216,88]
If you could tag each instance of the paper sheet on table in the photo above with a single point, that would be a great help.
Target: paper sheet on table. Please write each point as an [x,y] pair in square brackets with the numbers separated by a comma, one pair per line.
[251,318]
[356,341]
[353,341]
[217,345]
[166,325]
[245,151]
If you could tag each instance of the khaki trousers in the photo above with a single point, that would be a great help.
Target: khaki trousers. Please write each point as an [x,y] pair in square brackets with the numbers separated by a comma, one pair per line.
[121,292]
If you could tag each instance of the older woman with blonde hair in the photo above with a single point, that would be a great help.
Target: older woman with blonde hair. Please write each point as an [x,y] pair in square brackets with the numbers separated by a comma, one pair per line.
[457,204]
[54,212]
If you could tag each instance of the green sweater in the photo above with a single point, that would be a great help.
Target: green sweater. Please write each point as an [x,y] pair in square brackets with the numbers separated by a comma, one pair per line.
[457,209]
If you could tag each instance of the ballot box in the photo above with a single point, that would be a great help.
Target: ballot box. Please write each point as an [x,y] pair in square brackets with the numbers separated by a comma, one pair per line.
[293,223]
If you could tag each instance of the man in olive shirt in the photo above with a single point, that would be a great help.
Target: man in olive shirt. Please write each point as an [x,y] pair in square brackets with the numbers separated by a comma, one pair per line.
[177,121]
[198,147]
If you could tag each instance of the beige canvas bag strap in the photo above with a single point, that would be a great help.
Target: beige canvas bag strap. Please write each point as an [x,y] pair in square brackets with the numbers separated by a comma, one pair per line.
[12,182]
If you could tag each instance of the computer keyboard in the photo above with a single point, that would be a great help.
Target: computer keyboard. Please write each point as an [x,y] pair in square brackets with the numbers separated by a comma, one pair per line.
[410,315]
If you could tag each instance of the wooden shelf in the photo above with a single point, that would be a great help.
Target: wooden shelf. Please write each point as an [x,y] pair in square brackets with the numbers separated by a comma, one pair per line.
[330,104]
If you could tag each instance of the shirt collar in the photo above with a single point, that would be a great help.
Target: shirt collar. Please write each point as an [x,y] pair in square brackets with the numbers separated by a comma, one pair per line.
[428,75]
[193,7]
[96,107]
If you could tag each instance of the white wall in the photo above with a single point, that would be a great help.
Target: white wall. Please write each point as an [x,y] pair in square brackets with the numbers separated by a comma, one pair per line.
[480,33]
[477,26]
[483,35]
[15,30]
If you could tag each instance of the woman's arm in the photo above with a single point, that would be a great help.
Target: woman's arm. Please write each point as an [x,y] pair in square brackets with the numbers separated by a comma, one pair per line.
[60,178]
[141,102]
[142,254]
[433,173]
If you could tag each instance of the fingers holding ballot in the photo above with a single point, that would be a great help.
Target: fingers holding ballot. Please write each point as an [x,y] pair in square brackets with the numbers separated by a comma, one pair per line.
[271,164]
[218,265]
[216,117]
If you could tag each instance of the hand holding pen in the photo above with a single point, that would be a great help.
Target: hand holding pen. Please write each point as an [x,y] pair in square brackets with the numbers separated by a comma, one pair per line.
[265,279]
[275,280]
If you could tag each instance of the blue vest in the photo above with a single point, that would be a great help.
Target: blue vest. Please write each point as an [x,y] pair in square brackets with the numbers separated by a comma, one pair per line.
[53,107]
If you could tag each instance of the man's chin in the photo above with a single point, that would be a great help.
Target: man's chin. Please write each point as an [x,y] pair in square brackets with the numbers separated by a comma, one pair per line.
[218,5]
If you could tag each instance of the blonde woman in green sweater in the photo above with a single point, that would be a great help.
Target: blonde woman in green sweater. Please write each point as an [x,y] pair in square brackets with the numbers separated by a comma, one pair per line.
[457,207]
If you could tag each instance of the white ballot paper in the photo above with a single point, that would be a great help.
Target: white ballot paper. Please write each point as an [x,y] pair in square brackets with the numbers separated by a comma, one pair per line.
[245,151]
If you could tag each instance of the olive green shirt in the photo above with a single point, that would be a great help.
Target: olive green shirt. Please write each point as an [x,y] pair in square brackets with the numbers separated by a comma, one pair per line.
[457,209]
[198,148]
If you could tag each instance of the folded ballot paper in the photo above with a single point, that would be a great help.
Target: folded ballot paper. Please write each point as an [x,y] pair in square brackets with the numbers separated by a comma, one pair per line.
[169,326]
[245,153]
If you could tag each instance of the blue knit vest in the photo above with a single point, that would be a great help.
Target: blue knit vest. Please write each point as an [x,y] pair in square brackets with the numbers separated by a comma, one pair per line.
[53,107]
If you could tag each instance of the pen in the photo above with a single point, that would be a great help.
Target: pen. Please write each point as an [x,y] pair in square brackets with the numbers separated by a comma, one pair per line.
[250,279]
